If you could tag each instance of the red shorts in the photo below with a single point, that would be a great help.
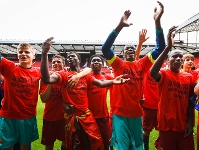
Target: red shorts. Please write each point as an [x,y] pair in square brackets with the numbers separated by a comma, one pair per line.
[104,127]
[172,140]
[149,119]
[53,130]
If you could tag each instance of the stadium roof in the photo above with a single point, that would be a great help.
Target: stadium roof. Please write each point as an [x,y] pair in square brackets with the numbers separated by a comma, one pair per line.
[9,47]
[59,47]
[190,25]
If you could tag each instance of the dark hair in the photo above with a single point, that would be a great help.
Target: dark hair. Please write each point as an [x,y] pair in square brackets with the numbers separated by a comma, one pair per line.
[74,52]
[59,56]
[96,56]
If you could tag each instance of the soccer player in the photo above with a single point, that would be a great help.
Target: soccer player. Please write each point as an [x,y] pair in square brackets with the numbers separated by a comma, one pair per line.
[97,100]
[18,112]
[125,106]
[53,119]
[149,102]
[175,111]
[149,109]
[188,64]
[76,100]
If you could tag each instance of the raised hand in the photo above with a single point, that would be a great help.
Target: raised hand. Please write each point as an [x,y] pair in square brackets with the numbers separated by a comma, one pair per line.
[142,36]
[124,19]
[47,44]
[170,36]
[121,79]
[158,15]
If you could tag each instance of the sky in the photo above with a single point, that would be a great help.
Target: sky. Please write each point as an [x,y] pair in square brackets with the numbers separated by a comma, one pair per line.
[87,20]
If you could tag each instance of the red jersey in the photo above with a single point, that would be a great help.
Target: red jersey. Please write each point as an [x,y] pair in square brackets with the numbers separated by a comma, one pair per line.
[150,92]
[195,75]
[77,96]
[97,98]
[174,94]
[53,107]
[126,100]
[20,90]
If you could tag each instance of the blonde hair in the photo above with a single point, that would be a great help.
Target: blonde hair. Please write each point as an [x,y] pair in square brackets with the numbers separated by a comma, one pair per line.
[185,56]
[26,46]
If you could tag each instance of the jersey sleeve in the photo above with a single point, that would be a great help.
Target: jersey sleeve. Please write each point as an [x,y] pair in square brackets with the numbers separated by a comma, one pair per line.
[43,87]
[6,66]
[63,77]
[106,47]
[90,80]
[160,46]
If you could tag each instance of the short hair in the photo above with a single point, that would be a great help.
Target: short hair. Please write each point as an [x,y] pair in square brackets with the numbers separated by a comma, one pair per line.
[188,55]
[97,56]
[25,46]
[74,52]
[59,56]
[169,54]
[129,44]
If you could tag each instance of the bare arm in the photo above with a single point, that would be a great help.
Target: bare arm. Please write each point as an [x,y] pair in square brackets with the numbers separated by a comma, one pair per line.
[154,72]
[142,39]
[196,89]
[105,83]
[45,96]
[189,126]
[46,77]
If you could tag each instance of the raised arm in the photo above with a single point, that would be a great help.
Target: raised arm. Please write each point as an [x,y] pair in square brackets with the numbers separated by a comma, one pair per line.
[46,77]
[141,40]
[160,41]
[154,72]
[106,47]
[45,96]
[157,15]
[105,83]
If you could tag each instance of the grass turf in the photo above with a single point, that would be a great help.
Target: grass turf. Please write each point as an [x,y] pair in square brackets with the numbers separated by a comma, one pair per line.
[36,145]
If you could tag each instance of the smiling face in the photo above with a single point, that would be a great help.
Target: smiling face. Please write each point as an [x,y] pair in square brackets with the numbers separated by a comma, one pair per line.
[26,54]
[129,52]
[57,64]
[96,63]
[175,60]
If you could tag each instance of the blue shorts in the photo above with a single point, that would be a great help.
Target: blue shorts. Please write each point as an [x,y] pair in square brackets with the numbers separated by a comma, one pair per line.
[127,133]
[14,130]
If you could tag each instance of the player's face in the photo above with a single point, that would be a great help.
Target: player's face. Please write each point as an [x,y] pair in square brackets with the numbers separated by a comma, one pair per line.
[129,52]
[96,63]
[175,60]
[57,64]
[72,60]
[25,56]
[188,62]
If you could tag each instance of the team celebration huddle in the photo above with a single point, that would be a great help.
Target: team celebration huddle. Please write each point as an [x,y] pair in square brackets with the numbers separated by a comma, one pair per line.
[143,96]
